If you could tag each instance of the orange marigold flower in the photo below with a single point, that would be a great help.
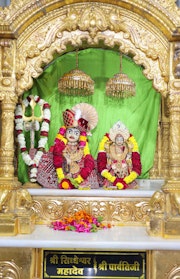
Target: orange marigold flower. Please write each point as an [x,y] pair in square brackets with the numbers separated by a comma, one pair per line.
[80,221]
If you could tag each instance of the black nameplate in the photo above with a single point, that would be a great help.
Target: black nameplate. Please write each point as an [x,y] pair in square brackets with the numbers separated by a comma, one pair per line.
[83,264]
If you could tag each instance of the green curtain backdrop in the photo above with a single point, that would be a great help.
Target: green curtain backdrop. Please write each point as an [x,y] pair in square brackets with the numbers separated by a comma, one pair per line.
[139,113]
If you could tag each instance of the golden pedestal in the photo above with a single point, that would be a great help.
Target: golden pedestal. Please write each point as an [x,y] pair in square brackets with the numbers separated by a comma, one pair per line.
[11,225]
[165,211]
[26,223]
[16,214]
[8,225]
[172,228]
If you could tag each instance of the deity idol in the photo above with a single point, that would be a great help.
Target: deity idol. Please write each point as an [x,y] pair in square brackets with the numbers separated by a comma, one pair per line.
[75,166]
[118,158]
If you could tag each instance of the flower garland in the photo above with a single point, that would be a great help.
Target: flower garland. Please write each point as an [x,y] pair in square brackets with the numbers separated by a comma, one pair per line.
[19,126]
[121,183]
[81,221]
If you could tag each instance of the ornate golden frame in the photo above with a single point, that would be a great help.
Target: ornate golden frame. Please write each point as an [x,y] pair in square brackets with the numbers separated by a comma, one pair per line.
[31,32]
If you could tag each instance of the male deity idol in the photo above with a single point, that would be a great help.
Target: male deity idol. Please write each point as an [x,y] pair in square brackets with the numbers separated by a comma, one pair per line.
[74,164]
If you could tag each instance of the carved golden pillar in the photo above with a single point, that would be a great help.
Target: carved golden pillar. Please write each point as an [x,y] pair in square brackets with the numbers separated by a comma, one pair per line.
[8,101]
[155,172]
[174,136]
[165,204]
[164,138]
[7,142]
[16,214]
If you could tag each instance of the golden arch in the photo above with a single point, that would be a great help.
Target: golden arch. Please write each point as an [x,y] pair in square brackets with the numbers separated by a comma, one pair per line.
[114,26]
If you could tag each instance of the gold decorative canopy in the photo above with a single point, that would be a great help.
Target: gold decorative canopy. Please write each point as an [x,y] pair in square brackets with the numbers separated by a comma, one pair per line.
[120,85]
[76,83]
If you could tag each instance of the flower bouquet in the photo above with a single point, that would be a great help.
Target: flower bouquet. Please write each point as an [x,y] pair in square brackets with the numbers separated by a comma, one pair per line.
[80,221]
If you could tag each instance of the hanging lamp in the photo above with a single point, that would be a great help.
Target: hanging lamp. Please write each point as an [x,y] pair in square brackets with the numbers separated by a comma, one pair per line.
[120,85]
[76,82]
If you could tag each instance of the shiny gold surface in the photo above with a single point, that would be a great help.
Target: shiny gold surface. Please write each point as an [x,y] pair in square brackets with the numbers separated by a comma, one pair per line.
[18,263]
[165,265]
[31,32]
[98,22]
[117,211]
[8,225]
[11,269]
[16,214]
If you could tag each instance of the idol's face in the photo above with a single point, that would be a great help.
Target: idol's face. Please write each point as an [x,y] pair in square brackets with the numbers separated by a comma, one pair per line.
[72,134]
[119,140]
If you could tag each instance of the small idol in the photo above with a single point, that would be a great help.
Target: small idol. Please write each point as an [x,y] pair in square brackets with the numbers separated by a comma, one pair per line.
[118,160]
[74,164]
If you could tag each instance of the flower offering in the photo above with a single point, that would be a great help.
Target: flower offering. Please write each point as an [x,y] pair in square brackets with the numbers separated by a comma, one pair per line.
[81,221]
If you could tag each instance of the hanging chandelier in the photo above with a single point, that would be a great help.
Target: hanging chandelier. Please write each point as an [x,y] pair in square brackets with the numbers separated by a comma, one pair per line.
[76,83]
[120,85]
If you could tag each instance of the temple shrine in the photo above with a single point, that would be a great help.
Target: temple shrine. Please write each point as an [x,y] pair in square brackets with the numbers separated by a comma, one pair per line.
[90,126]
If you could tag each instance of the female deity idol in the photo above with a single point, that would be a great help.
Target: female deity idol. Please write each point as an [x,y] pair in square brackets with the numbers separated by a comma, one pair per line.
[118,158]
[75,166]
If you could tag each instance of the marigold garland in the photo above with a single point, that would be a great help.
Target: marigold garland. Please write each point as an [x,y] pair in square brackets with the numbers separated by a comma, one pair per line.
[83,143]
[134,143]
[80,221]
[102,143]
[122,183]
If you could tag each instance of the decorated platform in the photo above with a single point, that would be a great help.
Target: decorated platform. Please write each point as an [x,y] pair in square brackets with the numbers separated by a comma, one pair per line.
[125,207]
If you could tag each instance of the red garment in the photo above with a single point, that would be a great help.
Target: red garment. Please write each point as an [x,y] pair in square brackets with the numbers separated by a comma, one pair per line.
[58,153]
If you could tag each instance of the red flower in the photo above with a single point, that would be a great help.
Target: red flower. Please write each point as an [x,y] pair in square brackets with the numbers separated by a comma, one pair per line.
[136,162]
[46,105]
[88,166]
[44,133]
[120,180]
[101,161]
[66,184]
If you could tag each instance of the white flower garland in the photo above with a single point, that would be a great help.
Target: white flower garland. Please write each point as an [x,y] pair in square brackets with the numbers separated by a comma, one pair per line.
[19,126]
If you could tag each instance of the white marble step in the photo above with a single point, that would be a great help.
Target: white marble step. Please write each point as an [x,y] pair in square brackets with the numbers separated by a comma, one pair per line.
[147,187]
[115,238]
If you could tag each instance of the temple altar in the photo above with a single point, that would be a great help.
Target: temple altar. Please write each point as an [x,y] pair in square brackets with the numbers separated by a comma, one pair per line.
[38,45]
[130,207]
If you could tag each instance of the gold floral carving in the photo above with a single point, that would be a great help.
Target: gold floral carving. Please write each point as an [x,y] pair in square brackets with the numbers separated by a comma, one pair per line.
[174,139]
[115,211]
[16,212]
[164,211]
[5,196]
[8,100]
[176,60]
[157,202]
[155,171]
[7,142]
[8,269]
[165,264]
[156,214]
[72,27]
[164,155]
[174,272]
[7,70]
[19,10]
